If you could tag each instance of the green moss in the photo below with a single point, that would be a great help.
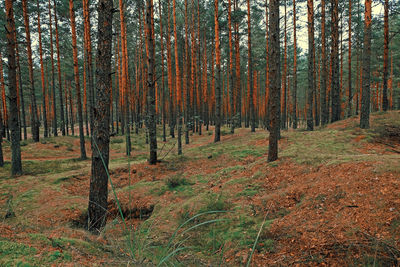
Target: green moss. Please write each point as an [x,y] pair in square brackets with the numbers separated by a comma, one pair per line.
[15,254]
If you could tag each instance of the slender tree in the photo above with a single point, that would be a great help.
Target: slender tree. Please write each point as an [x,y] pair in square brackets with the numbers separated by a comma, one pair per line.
[385,101]
[218,89]
[310,92]
[164,115]
[53,85]
[60,89]
[252,116]
[151,94]
[335,85]
[77,82]
[294,91]
[350,92]
[98,193]
[16,165]
[88,50]
[178,82]
[366,68]
[275,79]
[46,130]
[34,114]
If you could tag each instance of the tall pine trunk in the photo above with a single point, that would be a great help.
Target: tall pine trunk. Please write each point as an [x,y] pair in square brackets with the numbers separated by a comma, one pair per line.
[60,89]
[34,114]
[335,85]
[77,82]
[385,102]
[252,114]
[218,100]
[97,209]
[53,86]
[16,165]
[366,68]
[275,79]
[46,130]
[151,94]
[294,91]
[310,92]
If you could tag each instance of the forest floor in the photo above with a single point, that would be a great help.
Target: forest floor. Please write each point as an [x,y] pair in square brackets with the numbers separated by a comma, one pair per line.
[333,198]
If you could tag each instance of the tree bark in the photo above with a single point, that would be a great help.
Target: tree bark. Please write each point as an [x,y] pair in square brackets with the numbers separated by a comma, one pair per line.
[60,89]
[16,165]
[275,79]
[366,68]
[77,82]
[151,94]
[385,102]
[324,74]
[294,92]
[46,130]
[335,85]
[97,209]
[53,86]
[34,114]
[310,92]
[252,116]
[218,100]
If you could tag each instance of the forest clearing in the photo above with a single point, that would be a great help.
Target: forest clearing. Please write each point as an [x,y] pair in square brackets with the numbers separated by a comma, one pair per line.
[200,133]
[332,198]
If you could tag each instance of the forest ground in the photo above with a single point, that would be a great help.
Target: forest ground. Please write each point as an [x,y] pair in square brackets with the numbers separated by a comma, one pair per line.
[333,198]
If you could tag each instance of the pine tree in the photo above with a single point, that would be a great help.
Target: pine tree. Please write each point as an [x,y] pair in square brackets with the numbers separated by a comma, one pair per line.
[16,165]
[275,79]
[97,210]
[77,82]
[366,67]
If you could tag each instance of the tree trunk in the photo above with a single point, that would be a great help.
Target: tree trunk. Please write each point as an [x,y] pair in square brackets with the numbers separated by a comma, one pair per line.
[310,92]
[16,165]
[350,93]
[60,89]
[284,78]
[335,86]
[151,95]
[218,100]
[294,92]
[88,49]
[366,69]
[97,210]
[164,115]
[250,72]
[178,83]
[275,79]
[77,83]
[53,85]
[34,114]
[385,102]
[46,130]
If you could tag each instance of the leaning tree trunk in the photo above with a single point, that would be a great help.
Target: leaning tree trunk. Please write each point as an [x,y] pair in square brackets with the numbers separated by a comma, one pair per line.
[275,79]
[34,114]
[16,165]
[366,69]
[77,83]
[97,209]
